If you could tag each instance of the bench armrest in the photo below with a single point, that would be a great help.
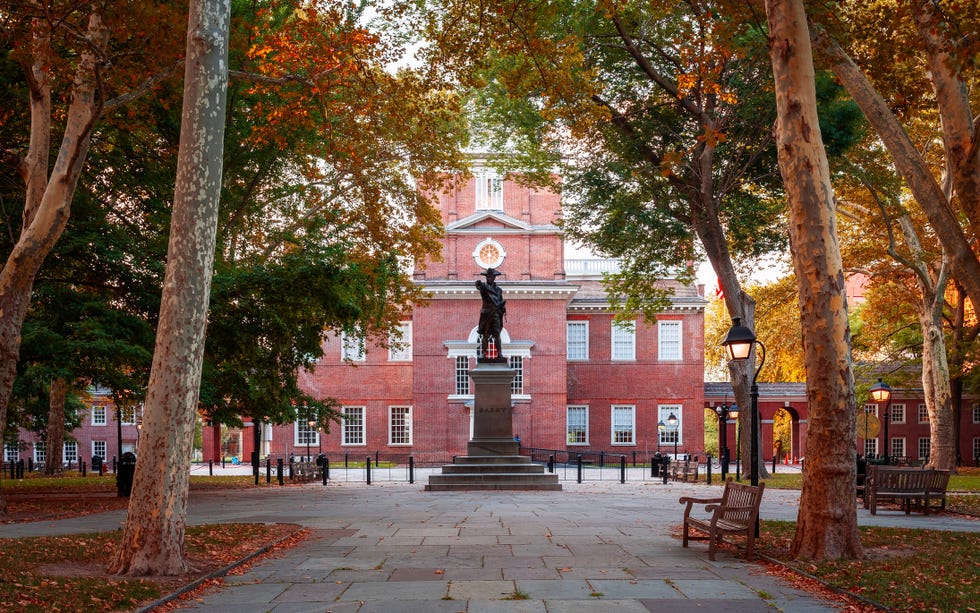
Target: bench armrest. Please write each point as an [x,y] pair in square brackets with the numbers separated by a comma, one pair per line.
[690,502]
[721,509]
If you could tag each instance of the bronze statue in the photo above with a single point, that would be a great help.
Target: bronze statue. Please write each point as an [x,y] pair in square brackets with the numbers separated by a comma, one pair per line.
[491,314]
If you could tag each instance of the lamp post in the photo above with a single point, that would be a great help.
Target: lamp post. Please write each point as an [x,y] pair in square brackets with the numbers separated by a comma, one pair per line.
[725,412]
[882,392]
[672,423]
[309,434]
[739,342]
[661,428]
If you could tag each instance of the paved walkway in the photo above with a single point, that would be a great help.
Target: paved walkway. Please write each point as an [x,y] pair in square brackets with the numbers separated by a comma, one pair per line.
[600,547]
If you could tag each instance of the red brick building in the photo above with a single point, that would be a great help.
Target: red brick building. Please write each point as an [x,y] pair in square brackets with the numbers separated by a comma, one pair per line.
[582,382]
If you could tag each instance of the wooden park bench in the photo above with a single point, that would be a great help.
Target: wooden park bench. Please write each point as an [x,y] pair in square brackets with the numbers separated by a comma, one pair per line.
[736,512]
[684,471]
[918,486]
[304,472]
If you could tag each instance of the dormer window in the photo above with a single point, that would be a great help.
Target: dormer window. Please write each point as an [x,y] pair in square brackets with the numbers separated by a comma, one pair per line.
[489,191]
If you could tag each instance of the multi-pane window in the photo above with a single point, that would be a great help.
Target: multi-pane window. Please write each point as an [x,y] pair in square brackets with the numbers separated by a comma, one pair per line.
[976,413]
[489,191]
[871,447]
[98,415]
[923,414]
[577,425]
[11,452]
[898,447]
[872,408]
[128,416]
[516,362]
[352,425]
[98,449]
[669,435]
[623,425]
[669,346]
[462,373]
[351,347]
[400,426]
[976,450]
[925,448]
[897,413]
[69,452]
[577,340]
[40,452]
[624,340]
[306,434]
[401,348]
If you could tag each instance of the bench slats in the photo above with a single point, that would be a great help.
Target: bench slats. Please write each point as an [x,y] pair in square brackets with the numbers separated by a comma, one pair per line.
[736,512]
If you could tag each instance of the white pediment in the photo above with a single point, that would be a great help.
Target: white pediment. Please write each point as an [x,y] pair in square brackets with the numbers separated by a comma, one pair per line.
[481,221]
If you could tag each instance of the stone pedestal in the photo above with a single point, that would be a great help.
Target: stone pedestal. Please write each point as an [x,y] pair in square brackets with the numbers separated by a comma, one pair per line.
[493,462]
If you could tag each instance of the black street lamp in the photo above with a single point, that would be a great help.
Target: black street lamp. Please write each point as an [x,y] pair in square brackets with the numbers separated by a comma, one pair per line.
[739,342]
[309,434]
[882,392]
[661,428]
[672,423]
[725,412]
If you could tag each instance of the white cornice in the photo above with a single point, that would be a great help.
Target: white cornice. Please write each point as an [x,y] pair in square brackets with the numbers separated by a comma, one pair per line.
[468,291]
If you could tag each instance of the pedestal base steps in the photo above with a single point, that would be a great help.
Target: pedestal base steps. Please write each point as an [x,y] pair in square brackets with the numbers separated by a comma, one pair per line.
[493,472]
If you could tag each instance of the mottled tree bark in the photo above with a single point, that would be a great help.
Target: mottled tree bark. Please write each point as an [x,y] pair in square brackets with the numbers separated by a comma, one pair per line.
[153,538]
[49,197]
[54,444]
[827,520]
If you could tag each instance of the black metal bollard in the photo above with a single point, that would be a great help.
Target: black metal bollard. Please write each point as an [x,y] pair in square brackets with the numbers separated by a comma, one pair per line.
[708,463]
[774,463]
[376,456]
[82,464]
[622,469]
[20,468]
[454,459]
[551,463]
[634,459]
[664,466]
[291,463]
[367,468]
[222,460]
[210,468]
[279,471]
[30,464]
[113,464]
[579,458]
[411,469]
[325,469]
[345,462]
[602,459]
[268,469]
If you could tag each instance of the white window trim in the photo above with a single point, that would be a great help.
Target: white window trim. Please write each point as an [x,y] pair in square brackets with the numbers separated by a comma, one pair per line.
[871,407]
[670,323]
[976,413]
[922,410]
[296,426]
[105,415]
[585,325]
[408,426]
[344,425]
[485,197]
[663,412]
[624,328]
[40,452]
[65,454]
[585,408]
[405,354]
[105,447]
[612,425]
[904,447]
[350,349]
[919,445]
[893,408]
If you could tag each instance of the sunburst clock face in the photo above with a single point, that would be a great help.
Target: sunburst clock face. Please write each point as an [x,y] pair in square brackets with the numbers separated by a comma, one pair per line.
[489,254]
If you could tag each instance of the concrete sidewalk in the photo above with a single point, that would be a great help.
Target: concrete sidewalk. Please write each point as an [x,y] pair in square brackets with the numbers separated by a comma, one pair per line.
[392,547]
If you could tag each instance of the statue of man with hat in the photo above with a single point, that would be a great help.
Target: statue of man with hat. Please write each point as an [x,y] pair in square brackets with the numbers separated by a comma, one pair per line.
[491,314]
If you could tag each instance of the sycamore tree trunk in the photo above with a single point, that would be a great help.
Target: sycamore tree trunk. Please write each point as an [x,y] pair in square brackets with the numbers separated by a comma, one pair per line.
[49,197]
[54,444]
[909,162]
[827,520]
[153,538]
[931,281]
